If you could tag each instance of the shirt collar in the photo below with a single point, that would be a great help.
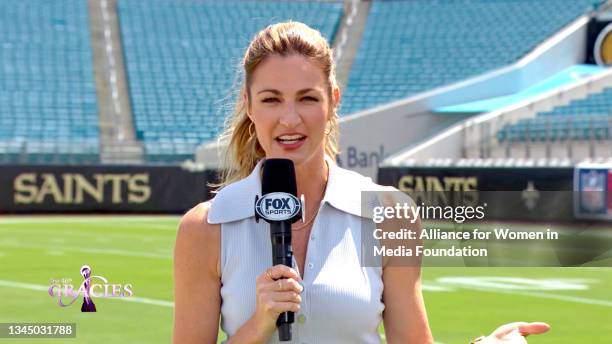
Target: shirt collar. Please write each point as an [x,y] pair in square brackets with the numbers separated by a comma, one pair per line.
[236,201]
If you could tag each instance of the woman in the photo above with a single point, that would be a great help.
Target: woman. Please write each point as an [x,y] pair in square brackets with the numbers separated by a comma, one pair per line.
[287,109]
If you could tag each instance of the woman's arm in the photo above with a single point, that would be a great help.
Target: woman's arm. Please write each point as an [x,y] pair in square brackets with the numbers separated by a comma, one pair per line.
[197,283]
[197,286]
[404,317]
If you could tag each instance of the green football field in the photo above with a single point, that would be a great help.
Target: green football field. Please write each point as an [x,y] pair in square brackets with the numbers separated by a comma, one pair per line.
[462,303]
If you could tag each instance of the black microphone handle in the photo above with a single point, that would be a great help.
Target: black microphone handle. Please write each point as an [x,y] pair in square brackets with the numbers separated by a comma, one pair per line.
[282,253]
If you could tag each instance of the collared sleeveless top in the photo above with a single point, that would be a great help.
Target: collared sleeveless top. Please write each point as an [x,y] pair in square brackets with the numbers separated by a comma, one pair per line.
[341,300]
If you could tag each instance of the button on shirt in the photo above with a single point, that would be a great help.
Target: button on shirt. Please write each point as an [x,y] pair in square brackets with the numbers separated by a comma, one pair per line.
[341,301]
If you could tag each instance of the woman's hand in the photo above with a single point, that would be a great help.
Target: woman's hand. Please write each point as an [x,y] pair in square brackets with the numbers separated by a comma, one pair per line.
[514,333]
[277,291]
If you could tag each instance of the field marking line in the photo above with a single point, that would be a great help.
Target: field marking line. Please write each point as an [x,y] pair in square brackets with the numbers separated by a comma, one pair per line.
[21,219]
[38,287]
[146,301]
[169,227]
[435,287]
[526,287]
[568,298]
[98,233]
[384,338]
[89,250]
[21,285]
[518,283]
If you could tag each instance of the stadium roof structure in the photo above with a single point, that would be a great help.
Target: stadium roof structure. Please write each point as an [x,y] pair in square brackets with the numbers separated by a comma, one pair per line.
[565,77]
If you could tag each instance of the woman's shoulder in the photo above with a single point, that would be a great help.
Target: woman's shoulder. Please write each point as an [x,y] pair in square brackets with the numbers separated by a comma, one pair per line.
[359,181]
[197,238]
[359,186]
[196,216]
[351,191]
[195,225]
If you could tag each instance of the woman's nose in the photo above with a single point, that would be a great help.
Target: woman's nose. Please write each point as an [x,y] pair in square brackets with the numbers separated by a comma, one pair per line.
[290,117]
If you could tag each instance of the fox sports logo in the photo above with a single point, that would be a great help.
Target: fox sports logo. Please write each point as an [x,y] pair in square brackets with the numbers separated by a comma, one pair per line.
[277,206]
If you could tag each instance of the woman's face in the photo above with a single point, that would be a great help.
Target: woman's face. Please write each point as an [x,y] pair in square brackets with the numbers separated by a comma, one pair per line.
[290,107]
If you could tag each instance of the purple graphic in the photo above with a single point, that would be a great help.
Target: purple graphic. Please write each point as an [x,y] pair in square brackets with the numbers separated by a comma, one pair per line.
[88,305]
[65,291]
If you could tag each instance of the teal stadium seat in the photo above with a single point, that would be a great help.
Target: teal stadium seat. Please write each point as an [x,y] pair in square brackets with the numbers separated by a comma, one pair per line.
[47,89]
[583,119]
[181,59]
[409,47]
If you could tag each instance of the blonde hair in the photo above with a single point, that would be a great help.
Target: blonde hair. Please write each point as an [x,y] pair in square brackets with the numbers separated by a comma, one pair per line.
[287,38]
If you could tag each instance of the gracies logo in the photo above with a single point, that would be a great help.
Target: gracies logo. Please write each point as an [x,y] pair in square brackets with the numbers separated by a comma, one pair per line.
[92,286]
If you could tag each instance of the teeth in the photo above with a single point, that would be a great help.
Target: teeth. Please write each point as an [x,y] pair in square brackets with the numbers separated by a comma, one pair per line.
[290,137]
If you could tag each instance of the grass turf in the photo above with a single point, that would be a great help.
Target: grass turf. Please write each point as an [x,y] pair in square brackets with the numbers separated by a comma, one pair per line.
[138,250]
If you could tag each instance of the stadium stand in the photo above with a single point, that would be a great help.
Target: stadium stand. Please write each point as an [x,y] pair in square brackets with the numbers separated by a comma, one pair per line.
[48,111]
[413,46]
[563,127]
[584,119]
[181,59]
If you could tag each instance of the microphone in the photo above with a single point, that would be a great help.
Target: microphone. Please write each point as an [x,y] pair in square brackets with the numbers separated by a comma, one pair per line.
[280,207]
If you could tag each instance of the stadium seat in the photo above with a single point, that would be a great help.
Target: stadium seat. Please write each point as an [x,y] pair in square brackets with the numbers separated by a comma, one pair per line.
[583,119]
[181,58]
[47,90]
[410,47]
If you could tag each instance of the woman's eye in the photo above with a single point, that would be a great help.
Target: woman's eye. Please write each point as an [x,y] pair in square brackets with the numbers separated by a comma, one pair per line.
[270,100]
[310,99]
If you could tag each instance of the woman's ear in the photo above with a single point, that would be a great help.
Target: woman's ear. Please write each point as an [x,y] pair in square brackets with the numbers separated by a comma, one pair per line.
[247,105]
[335,101]
[337,96]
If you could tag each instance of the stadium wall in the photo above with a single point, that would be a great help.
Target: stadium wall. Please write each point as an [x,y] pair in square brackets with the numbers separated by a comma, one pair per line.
[101,189]
[509,193]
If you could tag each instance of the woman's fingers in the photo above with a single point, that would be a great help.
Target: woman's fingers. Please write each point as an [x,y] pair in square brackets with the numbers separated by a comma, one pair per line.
[280,271]
[277,290]
[522,328]
[280,307]
[287,296]
[533,328]
[506,329]
[278,302]
[282,285]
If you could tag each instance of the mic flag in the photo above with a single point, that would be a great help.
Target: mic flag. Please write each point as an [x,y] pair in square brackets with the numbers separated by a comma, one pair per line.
[279,200]
[279,206]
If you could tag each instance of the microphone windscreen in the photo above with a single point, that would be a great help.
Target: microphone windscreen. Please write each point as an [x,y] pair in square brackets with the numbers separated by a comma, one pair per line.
[278,175]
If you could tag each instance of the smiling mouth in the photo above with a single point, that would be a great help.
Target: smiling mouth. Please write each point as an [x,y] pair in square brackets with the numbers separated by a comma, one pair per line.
[289,139]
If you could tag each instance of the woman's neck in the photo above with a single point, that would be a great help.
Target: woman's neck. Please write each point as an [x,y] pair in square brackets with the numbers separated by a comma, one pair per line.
[311,178]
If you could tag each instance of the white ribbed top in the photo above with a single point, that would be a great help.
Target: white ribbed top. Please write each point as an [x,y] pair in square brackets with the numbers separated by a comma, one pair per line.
[341,301]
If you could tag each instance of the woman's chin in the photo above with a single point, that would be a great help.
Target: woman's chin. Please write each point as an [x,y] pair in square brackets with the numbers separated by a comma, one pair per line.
[297,156]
